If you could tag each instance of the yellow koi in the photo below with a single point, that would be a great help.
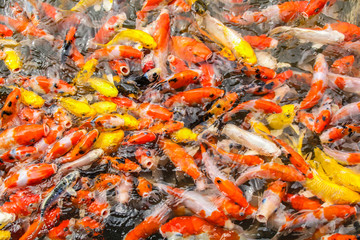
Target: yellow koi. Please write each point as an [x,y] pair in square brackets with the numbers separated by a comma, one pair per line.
[31,99]
[109,141]
[12,59]
[77,108]
[103,86]
[104,107]
[145,39]
[283,119]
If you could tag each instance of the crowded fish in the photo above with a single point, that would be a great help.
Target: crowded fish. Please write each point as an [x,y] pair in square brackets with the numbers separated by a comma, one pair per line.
[181,119]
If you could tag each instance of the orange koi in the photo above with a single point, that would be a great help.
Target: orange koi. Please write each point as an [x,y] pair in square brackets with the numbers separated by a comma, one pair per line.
[150,5]
[144,187]
[208,77]
[122,164]
[21,204]
[249,160]
[162,38]
[120,67]
[180,158]
[61,231]
[99,209]
[150,224]
[140,138]
[5,31]
[190,50]
[299,202]
[69,39]
[10,109]
[314,7]
[195,96]
[307,119]
[38,226]
[192,225]
[351,31]
[269,85]
[167,127]
[232,209]
[271,170]
[318,85]
[295,158]
[106,181]
[259,72]
[261,42]
[154,111]
[338,236]
[264,106]
[224,104]
[324,117]
[177,64]
[181,79]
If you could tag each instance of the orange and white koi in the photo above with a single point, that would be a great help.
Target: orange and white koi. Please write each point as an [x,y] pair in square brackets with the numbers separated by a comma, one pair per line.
[22,135]
[271,200]
[108,30]
[200,205]
[307,119]
[195,96]
[150,5]
[318,85]
[208,77]
[343,65]
[64,145]
[146,157]
[260,105]
[251,140]
[344,83]
[116,52]
[336,133]
[225,185]
[320,216]
[82,147]
[284,12]
[346,158]
[19,154]
[350,110]
[31,116]
[188,226]
[162,38]
[21,204]
[87,159]
[30,175]
[271,170]
[44,85]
